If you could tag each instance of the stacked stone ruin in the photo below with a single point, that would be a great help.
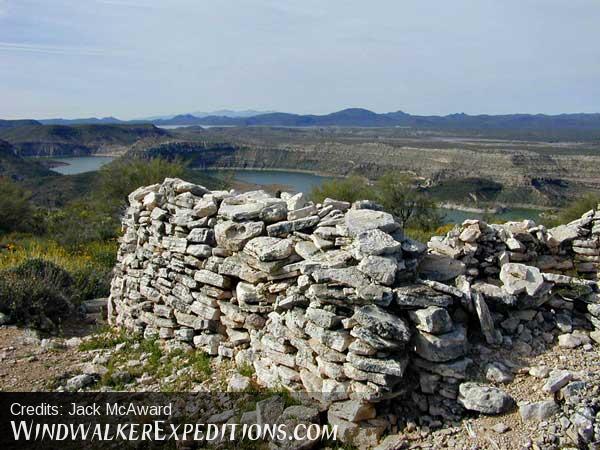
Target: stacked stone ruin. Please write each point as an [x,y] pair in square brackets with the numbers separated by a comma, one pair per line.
[332,299]
[571,249]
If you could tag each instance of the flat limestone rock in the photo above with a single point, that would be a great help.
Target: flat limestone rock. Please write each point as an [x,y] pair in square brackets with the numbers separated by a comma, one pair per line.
[359,220]
[538,411]
[269,410]
[382,323]
[441,348]
[440,267]
[379,268]
[519,278]
[376,242]
[349,276]
[233,236]
[234,266]
[495,293]
[374,340]
[212,279]
[484,399]
[470,233]
[433,319]
[420,296]
[353,411]
[267,248]
[455,369]
[390,366]
[287,227]
[564,233]
[242,211]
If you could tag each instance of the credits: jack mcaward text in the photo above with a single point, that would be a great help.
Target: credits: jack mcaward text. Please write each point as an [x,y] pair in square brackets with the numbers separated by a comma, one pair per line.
[91,409]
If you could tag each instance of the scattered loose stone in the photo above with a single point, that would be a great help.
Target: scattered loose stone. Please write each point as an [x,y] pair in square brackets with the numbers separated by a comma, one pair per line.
[484,399]
[538,411]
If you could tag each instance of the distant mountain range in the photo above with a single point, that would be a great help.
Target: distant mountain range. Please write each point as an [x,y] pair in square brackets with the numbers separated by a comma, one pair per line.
[219,112]
[566,125]
[5,124]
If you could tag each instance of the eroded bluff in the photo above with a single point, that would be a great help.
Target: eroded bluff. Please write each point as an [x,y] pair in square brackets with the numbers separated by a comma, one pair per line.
[332,299]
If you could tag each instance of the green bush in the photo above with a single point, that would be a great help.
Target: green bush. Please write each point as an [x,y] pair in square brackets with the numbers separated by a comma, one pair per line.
[34,292]
[90,282]
[396,192]
[346,189]
[16,213]
[121,177]
[81,222]
[577,208]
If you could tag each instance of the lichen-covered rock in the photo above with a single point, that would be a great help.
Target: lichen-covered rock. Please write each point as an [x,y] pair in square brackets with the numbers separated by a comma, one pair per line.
[443,347]
[433,319]
[484,399]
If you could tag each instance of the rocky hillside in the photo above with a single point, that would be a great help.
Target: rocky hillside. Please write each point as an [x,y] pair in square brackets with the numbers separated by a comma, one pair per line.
[381,331]
[62,140]
[531,175]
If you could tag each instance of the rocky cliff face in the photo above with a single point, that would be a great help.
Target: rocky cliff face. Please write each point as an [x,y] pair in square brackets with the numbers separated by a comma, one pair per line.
[333,300]
[539,172]
[79,140]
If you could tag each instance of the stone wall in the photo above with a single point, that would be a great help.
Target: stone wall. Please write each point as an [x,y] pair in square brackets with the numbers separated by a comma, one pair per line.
[333,300]
[571,249]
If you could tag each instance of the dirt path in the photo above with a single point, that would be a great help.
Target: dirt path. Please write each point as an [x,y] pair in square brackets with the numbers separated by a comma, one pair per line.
[27,364]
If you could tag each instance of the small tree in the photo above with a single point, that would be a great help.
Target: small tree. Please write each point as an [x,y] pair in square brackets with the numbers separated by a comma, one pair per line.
[399,195]
[346,189]
[119,178]
[16,212]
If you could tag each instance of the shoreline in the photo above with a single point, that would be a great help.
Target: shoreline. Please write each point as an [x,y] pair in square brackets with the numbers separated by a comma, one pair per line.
[499,209]
[247,169]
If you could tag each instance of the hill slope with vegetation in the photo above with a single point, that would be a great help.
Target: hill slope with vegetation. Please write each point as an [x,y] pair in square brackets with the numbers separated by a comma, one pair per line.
[14,167]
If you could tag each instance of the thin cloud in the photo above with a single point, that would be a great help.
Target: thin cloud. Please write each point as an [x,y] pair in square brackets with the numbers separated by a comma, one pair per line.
[56,50]
[127,4]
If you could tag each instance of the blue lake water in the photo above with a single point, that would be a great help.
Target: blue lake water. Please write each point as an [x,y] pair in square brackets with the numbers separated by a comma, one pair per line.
[80,164]
[293,181]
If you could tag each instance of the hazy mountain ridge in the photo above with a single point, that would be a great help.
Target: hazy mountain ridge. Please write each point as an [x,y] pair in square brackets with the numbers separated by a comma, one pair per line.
[358,117]
[5,124]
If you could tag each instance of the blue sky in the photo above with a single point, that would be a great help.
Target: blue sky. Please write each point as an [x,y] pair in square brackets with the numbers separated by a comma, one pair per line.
[135,58]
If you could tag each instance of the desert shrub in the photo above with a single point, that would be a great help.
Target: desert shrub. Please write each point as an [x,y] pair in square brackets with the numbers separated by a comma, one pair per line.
[424,235]
[89,265]
[346,189]
[121,177]
[16,212]
[90,282]
[34,292]
[400,196]
[397,193]
[82,222]
[577,208]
